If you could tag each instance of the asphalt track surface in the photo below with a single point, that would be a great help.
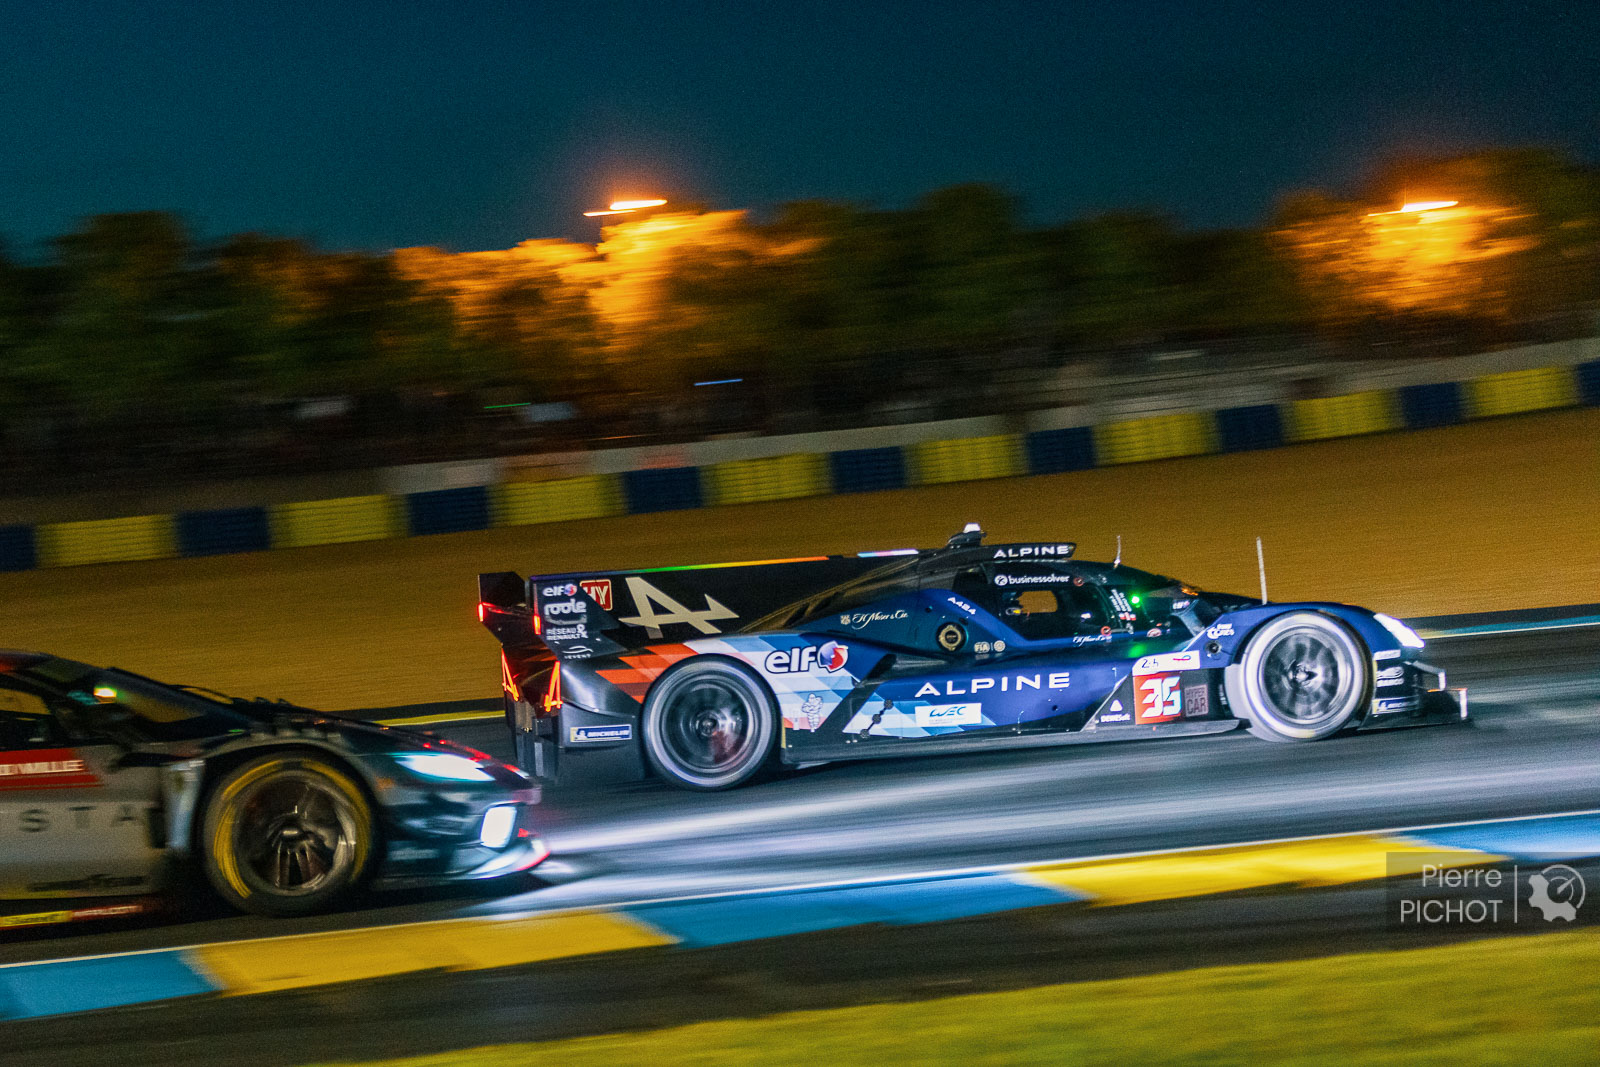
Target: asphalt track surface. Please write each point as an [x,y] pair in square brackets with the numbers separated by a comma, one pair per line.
[1533,747]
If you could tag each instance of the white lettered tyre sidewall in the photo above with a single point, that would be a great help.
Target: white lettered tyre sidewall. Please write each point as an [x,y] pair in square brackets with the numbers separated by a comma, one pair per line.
[684,677]
[1245,687]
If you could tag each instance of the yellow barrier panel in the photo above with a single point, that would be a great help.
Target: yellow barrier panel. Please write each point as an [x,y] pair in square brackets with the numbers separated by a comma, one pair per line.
[68,544]
[966,459]
[745,481]
[1156,437]
[1344,416]
[1521,390]
[336,521]
[593,496]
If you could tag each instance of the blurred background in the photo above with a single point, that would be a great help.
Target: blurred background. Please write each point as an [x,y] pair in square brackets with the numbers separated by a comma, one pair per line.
[134,353]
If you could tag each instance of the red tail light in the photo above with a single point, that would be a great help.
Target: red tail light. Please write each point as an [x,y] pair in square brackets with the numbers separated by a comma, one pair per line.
[483,610]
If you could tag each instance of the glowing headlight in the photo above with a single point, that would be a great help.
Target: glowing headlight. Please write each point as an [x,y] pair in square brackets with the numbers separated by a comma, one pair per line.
[443,765]
[1402,633]
[497,824]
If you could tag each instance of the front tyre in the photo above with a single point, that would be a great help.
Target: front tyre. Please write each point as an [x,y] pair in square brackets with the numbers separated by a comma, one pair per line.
[287,834]
[1303,676]
[709,725]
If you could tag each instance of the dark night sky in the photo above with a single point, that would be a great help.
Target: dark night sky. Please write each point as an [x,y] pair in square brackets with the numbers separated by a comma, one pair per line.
[476,124]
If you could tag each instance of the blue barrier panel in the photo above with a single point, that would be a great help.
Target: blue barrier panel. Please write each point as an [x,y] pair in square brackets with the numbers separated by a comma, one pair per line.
[1589,382]
[1423,406]
[448,510]
[225,530]
[18,549]
[866,470]
[666,489]
[1249,428]
[1054,451]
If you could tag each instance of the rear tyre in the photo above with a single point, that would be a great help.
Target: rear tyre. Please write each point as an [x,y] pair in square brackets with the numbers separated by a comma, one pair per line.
[1303,677]
[709,725]
[287,834]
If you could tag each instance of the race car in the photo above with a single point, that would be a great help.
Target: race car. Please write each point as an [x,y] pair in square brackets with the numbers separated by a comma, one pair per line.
[113,784]
[704,676]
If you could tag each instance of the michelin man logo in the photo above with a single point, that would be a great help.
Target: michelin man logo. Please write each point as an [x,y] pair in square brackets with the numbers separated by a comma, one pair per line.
[1558,892]
[812,710]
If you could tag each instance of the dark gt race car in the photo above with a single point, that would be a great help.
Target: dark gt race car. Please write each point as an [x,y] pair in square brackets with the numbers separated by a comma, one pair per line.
[113,784]
[704,675]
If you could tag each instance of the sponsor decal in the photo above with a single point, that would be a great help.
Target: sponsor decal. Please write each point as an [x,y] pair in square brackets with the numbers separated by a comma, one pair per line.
[1092,639]
[1154,631]
[830,657]
[951,637]
[599,590]
[577,735]
[1005,683]
[1167,661]
[554,609]
[1196,702]
[981,647]
[1157,698]
[1389,653]
[962,605]
[1031,579]
[1221,629]
[45,768]
[999,646]
[1392,675]
[102,911]
[577,650]
[560,589]
[89,817]
[1390,705]
[950,715]
[813,710]
[88,885]
[656,609]
[410,853]
[1058,551]
[861,619]
[579,632]
[1115,716]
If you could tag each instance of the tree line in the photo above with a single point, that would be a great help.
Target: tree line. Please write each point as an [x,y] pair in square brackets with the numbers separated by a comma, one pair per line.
[130,321]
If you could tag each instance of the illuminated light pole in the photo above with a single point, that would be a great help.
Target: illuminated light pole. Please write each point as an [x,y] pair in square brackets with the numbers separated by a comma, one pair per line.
[623,207]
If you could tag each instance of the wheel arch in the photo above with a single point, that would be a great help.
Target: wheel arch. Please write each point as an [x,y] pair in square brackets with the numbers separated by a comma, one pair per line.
[1363,646]
[220,765]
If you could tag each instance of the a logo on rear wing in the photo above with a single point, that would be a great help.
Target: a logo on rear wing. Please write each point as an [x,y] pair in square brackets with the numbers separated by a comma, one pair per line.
[570,621]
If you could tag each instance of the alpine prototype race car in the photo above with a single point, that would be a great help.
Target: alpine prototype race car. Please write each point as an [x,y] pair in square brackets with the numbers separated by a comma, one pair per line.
[704,675]
[112,783]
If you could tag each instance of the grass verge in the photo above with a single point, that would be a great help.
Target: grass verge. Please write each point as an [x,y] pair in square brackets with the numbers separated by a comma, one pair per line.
[1504,1000]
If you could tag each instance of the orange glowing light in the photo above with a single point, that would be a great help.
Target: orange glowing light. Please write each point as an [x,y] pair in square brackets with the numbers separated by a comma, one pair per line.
[1416,206]
[634,205]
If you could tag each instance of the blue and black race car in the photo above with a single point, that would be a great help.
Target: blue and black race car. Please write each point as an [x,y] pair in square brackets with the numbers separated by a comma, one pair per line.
[705,675]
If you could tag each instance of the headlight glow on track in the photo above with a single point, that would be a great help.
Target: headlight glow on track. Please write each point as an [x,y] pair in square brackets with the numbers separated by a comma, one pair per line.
[445,766]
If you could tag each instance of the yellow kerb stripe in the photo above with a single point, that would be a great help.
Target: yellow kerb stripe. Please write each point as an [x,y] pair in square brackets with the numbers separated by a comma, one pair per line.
[353,955]
[1326,861]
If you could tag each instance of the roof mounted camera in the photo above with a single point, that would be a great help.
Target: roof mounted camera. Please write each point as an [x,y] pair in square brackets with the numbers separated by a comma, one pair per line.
[971,534]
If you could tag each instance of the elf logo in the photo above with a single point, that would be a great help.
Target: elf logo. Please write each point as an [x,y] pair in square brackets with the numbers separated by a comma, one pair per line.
[830,657]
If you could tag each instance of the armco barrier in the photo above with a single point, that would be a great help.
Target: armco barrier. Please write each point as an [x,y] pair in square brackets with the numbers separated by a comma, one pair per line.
[222,532]
[1426,406]
[137,537]
[1250,428]
[1522,390]
[17,549]
[796,475]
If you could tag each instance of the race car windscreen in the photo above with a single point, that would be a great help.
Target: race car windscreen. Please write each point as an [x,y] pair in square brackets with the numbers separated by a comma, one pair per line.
[96,697]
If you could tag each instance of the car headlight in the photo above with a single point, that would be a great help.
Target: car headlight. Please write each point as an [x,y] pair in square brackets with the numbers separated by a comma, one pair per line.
[446,766]
[1402,633]
[498,823]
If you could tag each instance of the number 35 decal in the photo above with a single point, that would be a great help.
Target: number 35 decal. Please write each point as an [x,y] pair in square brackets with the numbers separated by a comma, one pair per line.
[1157,698]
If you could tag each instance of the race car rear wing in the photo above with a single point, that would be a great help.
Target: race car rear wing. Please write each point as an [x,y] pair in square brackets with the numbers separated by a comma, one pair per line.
[583,615]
